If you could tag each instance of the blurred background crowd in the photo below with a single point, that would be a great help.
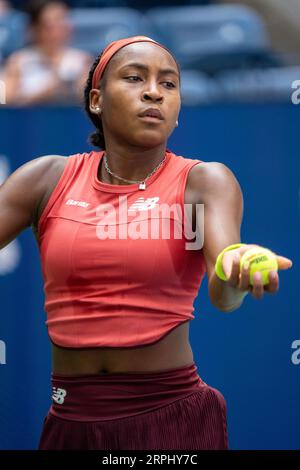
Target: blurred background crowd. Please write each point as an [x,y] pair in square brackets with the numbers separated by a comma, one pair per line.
[236,50]
[239,59]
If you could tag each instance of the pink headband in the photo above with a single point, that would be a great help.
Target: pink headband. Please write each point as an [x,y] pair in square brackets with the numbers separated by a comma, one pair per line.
[114,47]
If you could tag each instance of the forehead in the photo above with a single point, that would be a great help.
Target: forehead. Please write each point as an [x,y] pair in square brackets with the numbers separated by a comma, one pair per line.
[146,53]
[52,11]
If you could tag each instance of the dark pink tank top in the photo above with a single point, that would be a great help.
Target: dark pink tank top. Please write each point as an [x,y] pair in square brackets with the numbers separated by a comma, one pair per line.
[116,270]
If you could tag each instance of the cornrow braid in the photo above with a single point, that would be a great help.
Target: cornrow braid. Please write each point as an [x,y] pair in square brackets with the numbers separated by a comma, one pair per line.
[97,137]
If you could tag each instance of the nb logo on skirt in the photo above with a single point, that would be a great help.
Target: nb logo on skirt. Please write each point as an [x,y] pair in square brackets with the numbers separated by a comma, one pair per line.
[58,395]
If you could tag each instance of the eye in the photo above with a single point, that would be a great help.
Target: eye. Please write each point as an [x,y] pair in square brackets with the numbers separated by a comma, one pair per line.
[133,78]
[170,85]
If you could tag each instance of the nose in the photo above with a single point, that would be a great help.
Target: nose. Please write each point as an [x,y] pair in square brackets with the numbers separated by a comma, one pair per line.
[152,93]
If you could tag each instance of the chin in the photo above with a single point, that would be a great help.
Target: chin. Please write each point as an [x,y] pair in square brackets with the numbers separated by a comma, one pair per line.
[148,140]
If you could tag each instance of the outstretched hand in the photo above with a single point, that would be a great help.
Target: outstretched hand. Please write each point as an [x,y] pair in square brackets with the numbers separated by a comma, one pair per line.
[240,279]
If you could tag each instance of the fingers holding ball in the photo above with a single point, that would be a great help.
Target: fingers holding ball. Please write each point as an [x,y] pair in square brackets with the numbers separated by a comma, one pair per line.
[262,261]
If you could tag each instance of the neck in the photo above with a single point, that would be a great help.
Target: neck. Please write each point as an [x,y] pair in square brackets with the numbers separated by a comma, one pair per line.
[131,164]
[50,51]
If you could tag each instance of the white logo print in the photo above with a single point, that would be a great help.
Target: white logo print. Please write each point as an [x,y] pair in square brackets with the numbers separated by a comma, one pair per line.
[59,395]
[142,204]
[71,202]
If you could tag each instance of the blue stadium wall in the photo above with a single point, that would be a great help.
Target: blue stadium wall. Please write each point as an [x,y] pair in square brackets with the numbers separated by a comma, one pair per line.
[251,355]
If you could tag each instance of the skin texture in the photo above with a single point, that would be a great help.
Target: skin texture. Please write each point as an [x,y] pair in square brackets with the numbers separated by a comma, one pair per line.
[133,150]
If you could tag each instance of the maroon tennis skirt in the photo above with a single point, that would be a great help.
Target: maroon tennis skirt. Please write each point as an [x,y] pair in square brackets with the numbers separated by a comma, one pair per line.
[164,410]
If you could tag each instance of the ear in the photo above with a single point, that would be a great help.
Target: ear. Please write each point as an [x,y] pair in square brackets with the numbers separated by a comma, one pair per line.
[95,101]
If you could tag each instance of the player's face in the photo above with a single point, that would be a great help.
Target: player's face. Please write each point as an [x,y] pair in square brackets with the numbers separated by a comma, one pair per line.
[139,77]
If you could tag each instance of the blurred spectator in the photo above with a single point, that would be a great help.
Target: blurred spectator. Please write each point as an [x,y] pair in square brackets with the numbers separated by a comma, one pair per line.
[48,70]
[5,7]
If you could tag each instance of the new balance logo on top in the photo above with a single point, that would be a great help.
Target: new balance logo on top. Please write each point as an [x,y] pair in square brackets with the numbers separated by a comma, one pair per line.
[142,204]
[71,202]
[59,395]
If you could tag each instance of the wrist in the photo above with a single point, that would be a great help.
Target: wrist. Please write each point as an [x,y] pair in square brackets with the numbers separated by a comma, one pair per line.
[224,296]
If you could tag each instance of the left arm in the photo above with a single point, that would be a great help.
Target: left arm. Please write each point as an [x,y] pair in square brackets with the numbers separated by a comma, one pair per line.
[219,191]
[223,211]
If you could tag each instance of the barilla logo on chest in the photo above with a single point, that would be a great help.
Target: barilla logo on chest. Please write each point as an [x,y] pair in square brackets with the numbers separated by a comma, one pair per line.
[72,202]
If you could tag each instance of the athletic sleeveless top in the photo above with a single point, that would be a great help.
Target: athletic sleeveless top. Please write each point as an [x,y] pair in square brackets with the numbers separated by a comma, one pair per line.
[116,269]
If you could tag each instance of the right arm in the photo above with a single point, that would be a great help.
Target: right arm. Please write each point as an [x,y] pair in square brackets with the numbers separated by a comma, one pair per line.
[21,194]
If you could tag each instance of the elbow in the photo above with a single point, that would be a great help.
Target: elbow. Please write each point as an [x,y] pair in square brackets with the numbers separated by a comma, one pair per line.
[226,308]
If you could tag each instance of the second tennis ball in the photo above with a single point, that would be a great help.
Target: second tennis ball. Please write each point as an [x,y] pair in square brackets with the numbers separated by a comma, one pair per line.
[260,259]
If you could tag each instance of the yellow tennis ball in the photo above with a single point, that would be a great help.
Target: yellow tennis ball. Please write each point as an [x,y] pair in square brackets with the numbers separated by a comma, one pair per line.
[260,259]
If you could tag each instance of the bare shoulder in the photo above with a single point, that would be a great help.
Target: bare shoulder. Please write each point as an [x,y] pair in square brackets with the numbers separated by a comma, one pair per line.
[23,192]
[34,174]
[55,165]
[37,174]
[210,179]
[209,173]
[33,181]
[14,61]
[51,168]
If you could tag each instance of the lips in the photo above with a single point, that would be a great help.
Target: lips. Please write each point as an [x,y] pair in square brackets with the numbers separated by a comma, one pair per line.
[152,112]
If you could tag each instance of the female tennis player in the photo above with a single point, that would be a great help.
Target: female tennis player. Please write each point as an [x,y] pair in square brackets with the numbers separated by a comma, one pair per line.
[118,307]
